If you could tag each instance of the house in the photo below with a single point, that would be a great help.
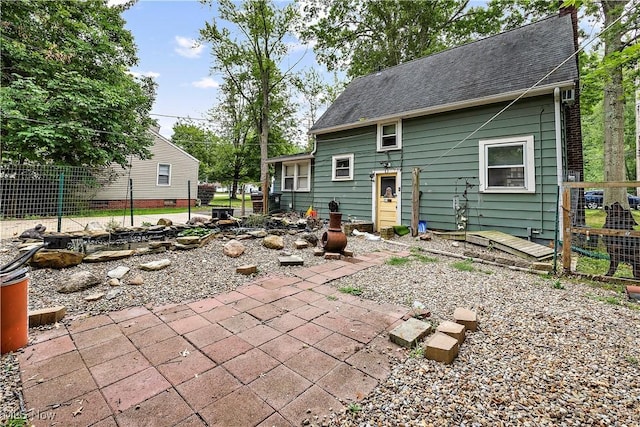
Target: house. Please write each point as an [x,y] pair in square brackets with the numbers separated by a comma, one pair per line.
[490,130]
[168,178]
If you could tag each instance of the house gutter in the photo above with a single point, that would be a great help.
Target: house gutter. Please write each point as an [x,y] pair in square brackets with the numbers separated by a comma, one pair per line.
[503,97]
[557,123]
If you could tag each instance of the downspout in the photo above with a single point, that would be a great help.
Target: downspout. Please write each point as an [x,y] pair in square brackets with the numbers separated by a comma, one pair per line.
[558,124]
[541,174]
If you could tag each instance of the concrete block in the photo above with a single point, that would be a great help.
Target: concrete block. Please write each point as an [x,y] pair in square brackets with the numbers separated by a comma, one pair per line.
[318,252]
[247,269]
[46,316]
[387,233]
[331,255]
[467,318]
[290,260]
[454,330]
[347,253]
[441,348]
[408,333]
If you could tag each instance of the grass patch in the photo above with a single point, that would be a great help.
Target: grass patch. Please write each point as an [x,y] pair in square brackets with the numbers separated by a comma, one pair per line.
[466,265]
[351,290]
[609,300]
[596,217]
[424,258]
[417,352]
[354,408]
[16,422]
[632,360]
[397,261]
[599,267]
[222,199]
[332,297]
[557,285]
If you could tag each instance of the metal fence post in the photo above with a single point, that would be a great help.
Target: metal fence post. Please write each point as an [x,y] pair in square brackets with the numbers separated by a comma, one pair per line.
[131,199]
[60,197]
[189,200]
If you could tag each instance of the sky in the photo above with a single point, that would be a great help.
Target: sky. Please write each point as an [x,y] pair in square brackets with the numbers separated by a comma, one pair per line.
[165,33]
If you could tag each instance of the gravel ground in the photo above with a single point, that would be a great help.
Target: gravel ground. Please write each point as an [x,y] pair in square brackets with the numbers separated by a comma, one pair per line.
[548,351]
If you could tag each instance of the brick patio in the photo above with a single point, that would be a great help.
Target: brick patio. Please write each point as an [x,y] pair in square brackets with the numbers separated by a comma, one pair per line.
[273,352]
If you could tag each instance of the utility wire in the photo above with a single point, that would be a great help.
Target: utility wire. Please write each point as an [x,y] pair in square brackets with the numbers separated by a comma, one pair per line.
[526,91]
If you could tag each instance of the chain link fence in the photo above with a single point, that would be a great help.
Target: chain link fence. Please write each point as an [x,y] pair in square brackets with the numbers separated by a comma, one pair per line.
[65,198]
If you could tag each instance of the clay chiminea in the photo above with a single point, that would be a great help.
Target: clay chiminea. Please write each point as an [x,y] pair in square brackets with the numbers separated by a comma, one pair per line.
[334,240]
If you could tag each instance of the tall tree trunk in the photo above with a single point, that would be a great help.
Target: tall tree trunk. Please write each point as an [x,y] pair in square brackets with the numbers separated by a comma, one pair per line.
[638,130]
[614,165]
[264,152]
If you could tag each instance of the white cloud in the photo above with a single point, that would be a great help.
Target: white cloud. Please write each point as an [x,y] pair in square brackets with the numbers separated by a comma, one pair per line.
[189,48]
[152,74]
[206,83]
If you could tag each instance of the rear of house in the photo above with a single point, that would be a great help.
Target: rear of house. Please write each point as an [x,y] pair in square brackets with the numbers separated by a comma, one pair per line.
[168,178]
[476,137]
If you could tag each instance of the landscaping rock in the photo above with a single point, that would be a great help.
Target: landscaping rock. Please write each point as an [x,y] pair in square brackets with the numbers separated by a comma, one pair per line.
[467,318]
[165,221]
[233,249]
[94,297]
[79,281]
[311,238]
[273,242]
[290,260]
[56,259]
[188,240]
[136,280]
[301,244]
[441,348]
[258,234]
[118,272]
[155,265]
[104,256]
[408,333]
[93,226]
[113,282]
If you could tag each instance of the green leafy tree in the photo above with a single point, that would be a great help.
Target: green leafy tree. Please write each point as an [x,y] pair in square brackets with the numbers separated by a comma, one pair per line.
[361,36]
[66,94]
[201,143]
[249,59]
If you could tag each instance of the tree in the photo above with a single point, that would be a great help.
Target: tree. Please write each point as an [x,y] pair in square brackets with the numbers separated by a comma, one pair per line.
[249,60]
[200,143]
[66,94]
[362,36]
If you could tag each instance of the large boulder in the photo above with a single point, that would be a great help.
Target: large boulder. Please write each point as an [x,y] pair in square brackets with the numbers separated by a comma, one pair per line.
[56,259]
[273,242]
[79,281]
[233,249]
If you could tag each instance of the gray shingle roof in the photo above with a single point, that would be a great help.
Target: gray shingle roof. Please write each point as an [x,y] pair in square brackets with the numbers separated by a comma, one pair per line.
[511,61]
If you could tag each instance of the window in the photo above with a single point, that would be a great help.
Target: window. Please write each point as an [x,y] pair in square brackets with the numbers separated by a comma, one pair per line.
[507,165]
[296,176]
[342,168]
[164,174]
[389,136]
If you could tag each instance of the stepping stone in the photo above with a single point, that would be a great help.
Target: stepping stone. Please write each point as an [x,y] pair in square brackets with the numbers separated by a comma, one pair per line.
[290,260]
[408,333]
[441,348]
[467,318]
[331,255]
[46,316]
[247,269]
[454,330]
[318,252]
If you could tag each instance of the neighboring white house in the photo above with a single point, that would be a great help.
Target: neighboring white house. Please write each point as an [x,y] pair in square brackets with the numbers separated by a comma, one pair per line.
[168,178]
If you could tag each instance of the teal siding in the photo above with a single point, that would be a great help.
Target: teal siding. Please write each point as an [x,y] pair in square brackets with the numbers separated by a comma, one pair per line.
[428,144]
[298,201]
[441,146]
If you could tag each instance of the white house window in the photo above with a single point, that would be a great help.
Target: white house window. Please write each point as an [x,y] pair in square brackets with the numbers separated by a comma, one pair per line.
[342,168]
[164,174]
[507,165]
[389,136]
[295,176]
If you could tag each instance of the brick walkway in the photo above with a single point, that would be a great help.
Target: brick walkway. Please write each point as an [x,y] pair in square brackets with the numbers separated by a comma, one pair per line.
[274,352]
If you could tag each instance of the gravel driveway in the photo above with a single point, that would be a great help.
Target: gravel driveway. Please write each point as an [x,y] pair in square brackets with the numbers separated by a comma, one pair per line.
[548,352]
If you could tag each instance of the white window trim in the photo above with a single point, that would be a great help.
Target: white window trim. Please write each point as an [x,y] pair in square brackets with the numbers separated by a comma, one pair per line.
[158,175]
[398,145]
[529,164]
[296,176]
[334,163]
